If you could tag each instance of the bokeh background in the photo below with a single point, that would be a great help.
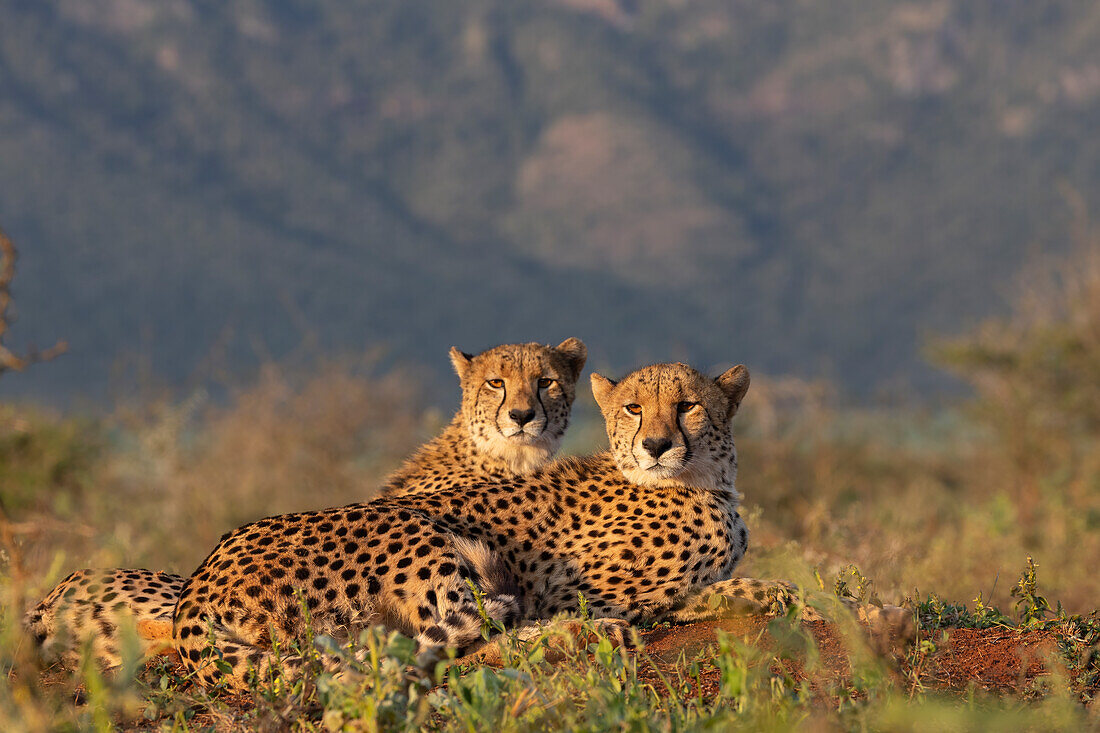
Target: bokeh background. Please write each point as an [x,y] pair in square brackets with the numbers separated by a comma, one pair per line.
[261,224]
[811,188]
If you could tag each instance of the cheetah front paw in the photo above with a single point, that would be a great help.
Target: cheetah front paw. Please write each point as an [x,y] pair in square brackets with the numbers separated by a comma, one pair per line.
[581,634]
[891,627]
[615,629]
[550,635]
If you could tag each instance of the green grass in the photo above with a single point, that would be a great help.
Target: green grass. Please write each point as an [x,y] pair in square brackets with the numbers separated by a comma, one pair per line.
[590,687]
[581,681]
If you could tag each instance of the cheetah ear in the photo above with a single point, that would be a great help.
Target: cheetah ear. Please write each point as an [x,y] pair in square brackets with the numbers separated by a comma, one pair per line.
[601,390]
[575,353]
[461,361]
[735,383]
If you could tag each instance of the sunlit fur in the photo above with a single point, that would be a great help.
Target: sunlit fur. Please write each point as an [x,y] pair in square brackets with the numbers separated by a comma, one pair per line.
[675,403]
[505,380]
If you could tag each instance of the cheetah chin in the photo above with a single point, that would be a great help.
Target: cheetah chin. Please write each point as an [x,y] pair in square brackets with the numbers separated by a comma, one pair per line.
[657,476]
[662,471]
[523,455]
[668,466]
[527,435]
[670,469]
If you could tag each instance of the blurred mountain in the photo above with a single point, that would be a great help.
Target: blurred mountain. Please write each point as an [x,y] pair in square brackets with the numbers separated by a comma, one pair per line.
[806,187]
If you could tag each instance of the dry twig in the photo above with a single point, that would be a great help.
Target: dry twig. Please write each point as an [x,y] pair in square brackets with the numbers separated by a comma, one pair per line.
[9,360]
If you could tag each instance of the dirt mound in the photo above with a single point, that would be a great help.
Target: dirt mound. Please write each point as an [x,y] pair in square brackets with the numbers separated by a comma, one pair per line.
[998,659]
[1001,660]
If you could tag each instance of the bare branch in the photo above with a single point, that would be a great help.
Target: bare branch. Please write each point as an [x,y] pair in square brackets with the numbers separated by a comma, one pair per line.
[9,360]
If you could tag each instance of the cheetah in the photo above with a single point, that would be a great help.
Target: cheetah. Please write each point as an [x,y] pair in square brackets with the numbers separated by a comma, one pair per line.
[516,403]
[639,531]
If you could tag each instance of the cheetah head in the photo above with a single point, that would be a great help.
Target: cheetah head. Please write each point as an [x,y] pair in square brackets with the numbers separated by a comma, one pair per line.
[516,399]
[669,425]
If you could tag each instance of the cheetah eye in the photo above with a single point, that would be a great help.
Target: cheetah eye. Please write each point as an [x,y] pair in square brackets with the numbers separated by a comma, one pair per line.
[633,409]
[495,383]
[545,382]
[682,407]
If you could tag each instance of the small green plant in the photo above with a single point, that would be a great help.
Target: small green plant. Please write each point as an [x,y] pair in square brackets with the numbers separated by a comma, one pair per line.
[935,614]
[1032,608]
[863,591]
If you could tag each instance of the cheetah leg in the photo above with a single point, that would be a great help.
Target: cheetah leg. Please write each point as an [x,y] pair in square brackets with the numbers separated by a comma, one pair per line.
[616,629]
[242,652]
[888,625]
[245,661]
[891,627]
[245,654]
[736,597]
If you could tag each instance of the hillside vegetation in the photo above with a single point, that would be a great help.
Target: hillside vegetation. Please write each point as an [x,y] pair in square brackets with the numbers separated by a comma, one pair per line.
[808,187]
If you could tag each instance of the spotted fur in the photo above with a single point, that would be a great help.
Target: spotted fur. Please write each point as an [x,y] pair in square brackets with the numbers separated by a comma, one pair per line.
[486,441]
[92,607]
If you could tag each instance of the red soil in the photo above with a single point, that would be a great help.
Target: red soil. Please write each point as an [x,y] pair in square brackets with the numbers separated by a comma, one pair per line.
[1001,660]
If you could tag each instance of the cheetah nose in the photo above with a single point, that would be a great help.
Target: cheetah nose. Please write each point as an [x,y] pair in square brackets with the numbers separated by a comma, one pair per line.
[656,447]
[522,417]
